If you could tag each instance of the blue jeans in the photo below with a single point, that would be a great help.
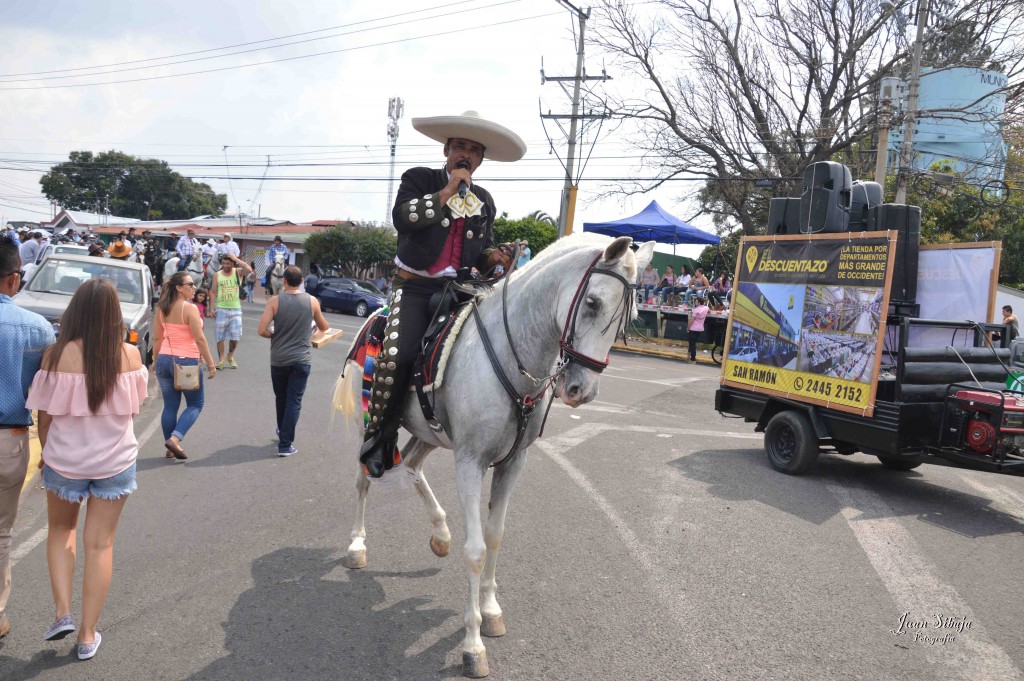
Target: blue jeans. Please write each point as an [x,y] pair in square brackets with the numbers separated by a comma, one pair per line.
[170,421]
[289,384]
[647,290]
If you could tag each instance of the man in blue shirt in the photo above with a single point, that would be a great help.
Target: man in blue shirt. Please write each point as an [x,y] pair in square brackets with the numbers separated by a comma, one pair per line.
[23,337]
[277,248]
[186,249]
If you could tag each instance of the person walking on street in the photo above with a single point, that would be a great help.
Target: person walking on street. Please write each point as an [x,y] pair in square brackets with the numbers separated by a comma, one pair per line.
[292,313]
[226,308]
[695,325]
[23,337]
[178,338]
[86,412]
[250,282]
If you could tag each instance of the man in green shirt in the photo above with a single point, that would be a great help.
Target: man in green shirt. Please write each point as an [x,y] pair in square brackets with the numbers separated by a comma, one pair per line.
[226,307]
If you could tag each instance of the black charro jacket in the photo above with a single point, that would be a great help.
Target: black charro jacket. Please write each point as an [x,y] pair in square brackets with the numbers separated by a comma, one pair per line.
[422,222]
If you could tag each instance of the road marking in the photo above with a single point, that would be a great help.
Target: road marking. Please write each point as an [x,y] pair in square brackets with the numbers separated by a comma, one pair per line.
[670,382]
[667,587]
[914,585]
[649,430]
[24,547]
[148,432]
[1004,500]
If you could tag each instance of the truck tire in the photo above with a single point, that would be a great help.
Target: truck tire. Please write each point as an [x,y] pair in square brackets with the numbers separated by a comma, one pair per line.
[790,443]
[898,464]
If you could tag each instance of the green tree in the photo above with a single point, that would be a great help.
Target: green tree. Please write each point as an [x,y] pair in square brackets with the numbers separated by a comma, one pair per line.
[539,233]
[355,250]
[128,186]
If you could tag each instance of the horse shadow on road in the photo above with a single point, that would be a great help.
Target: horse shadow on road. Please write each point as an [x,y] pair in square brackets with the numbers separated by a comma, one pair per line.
[745,475]
[297,624]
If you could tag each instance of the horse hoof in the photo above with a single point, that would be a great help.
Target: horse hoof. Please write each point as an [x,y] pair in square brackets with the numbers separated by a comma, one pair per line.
[440,548]
[355,560]
[492,626]
[474,665]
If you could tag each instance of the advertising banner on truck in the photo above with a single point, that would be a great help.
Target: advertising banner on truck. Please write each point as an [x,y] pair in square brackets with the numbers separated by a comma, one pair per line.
[808,317]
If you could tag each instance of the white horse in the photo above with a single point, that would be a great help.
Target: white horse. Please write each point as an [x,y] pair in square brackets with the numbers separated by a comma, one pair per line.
[567,306]
[276,275]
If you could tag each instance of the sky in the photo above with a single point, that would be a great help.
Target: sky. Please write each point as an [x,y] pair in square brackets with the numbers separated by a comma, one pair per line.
[329,110]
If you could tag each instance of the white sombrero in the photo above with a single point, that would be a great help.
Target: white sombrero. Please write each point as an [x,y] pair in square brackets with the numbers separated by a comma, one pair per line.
[500,143]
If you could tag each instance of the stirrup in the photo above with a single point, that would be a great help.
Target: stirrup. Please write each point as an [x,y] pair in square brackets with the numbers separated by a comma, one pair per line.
[380,453]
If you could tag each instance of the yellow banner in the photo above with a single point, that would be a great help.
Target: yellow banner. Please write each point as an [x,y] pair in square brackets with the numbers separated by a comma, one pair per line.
[799,384]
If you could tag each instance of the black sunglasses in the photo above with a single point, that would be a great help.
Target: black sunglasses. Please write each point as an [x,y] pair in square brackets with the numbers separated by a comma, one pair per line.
[189,283]
[20,273]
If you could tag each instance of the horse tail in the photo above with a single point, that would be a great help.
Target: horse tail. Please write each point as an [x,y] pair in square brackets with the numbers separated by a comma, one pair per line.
[347,397]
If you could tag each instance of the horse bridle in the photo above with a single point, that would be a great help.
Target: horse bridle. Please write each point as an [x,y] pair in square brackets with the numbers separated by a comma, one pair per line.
[567,354]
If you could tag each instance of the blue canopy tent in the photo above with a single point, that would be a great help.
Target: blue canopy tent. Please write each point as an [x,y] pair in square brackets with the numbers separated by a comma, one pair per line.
[653,223]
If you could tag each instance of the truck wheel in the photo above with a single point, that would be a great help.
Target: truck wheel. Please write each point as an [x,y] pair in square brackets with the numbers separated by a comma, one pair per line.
[898,464]
[790,443]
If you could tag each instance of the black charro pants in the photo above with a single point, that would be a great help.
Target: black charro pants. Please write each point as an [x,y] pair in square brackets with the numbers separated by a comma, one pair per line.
[409,318]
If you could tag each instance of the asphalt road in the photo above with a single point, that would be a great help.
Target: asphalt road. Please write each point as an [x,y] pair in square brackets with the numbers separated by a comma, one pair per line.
[648,539]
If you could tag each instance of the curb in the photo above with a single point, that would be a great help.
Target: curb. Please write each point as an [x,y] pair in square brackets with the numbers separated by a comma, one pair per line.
[665,354]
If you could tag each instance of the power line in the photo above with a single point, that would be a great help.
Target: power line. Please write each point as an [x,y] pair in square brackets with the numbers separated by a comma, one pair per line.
[270,47]
[286,59]
[231,47]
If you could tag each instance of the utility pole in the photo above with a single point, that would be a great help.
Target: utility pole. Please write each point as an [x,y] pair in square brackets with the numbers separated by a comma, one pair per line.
[907,150]
[890,96]
[568,203]
[396,107]
[883,142]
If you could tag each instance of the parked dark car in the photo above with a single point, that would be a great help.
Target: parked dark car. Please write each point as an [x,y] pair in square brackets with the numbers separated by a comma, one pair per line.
[349,295]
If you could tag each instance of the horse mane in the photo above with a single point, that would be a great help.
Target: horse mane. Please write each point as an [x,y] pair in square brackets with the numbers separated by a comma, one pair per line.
[580,241]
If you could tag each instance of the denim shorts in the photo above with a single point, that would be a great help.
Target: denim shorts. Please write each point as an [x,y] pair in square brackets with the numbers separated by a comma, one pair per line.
[77,491]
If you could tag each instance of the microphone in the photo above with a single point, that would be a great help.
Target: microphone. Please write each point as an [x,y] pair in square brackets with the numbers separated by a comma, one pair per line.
[463,187]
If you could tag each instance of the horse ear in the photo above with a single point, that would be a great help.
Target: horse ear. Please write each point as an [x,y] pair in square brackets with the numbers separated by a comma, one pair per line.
[616,250]
[644,255]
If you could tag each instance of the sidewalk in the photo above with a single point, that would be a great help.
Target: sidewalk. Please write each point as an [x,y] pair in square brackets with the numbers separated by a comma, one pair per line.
[664,347]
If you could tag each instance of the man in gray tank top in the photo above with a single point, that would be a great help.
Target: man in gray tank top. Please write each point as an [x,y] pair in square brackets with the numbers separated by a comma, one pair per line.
[293,314]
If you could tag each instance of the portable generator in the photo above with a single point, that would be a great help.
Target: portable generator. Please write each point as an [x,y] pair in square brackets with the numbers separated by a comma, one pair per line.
[984,422]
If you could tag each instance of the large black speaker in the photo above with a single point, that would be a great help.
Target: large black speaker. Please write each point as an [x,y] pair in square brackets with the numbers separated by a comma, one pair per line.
[783,216]
[826,198]
[864,196]
[907,221]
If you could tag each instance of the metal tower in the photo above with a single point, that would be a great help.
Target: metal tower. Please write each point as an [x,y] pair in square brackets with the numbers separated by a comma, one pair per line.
[396,107]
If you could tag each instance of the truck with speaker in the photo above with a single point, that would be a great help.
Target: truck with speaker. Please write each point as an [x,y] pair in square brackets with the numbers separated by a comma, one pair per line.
[932,399]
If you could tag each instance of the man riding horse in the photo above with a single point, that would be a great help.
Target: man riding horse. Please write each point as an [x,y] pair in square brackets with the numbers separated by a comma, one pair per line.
[444,223]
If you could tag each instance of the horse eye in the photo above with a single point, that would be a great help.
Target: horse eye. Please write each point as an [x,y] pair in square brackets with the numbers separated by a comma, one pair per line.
[592,303]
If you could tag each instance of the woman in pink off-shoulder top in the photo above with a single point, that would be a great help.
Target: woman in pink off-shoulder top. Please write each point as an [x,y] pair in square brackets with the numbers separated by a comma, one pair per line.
[86,412]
